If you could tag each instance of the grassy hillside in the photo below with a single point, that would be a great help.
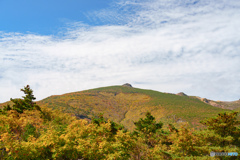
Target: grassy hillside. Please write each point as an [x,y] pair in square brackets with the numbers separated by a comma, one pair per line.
[126,105]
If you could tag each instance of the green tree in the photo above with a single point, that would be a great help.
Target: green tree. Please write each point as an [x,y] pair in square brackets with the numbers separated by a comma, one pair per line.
[148,125]
[114,126]
[148,128]
[6,108]
[226,126]
[23,104]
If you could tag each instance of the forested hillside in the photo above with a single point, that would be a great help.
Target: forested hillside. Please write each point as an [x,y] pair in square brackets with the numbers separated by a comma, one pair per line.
[32,131]
[125,105]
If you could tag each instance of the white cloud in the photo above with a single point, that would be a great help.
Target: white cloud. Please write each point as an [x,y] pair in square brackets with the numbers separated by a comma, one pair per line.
[169,46]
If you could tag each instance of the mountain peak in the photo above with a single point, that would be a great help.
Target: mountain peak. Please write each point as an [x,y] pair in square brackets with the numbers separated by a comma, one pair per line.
[127,85]
[182,94]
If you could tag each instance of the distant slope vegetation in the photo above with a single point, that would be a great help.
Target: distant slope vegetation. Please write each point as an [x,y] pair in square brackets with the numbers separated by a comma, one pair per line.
[232,105]
[126,105]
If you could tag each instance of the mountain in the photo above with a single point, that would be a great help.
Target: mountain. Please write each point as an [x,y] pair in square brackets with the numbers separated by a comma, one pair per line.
[125,104]
[233,105]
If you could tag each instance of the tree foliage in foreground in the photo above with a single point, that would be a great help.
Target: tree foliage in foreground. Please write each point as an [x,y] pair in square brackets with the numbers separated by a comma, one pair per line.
[26,103]
[28,132]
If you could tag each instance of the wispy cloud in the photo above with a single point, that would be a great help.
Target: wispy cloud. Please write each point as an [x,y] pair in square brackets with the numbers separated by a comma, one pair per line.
[169,46]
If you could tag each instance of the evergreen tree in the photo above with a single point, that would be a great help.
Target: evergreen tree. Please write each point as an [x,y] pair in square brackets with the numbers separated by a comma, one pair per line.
[114,126]
[148,125]
[147,129]
[7,108]
[225,125]
[23,104]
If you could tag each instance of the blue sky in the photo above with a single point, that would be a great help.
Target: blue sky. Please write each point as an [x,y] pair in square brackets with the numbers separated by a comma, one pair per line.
[56,47]
[47,16]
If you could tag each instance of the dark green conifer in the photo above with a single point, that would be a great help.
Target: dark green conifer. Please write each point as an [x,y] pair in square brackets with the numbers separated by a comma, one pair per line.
[114,126]
[23,104]
[147,128]
[225,125]
[148,125]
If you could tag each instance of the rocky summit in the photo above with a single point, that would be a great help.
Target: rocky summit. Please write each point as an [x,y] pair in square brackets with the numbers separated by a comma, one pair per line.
[127,85]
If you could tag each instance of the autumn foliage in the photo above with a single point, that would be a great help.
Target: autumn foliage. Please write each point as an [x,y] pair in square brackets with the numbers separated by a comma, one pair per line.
[30,132]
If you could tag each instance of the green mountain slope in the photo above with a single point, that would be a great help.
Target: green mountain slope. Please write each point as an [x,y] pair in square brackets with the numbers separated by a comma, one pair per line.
[126,105]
